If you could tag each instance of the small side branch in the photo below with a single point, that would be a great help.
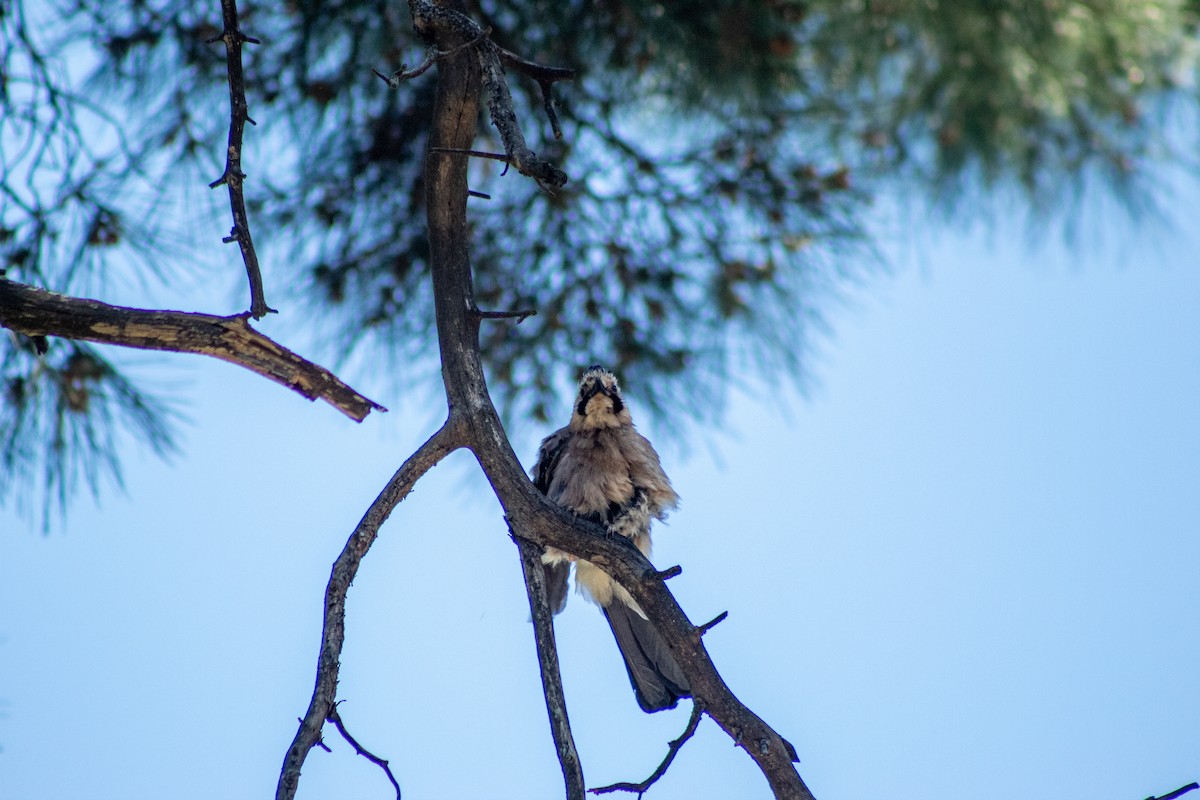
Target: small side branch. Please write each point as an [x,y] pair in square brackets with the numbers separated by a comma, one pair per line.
[519,316]
[546,78]
[1182,790]
[547,652]
[333,632]
[404,74]
[336,719]
[712,623]
[233,175]
[37,312]
[673,749]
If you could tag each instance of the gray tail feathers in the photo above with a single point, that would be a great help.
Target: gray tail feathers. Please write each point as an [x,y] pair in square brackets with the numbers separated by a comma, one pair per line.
[556,584]
[657,680]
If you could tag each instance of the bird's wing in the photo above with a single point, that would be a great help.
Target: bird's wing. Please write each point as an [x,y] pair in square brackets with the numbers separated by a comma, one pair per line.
[557,572]
[549,455]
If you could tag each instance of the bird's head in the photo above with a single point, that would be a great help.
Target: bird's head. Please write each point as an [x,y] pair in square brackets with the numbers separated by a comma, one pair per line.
[599,403]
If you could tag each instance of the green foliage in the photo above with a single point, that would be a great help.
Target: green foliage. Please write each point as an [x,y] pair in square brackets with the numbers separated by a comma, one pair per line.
[722,159]
[62,411]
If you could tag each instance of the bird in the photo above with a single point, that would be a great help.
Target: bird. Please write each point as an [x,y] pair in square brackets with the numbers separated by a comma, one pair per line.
[599,467]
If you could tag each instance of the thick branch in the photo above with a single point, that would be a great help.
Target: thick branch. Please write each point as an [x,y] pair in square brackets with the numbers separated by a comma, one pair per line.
[333,632]
[37,312]
[547,652]
[233,176]
[531,515]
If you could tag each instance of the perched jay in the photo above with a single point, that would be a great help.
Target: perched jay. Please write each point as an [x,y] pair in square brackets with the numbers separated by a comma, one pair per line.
[601,468]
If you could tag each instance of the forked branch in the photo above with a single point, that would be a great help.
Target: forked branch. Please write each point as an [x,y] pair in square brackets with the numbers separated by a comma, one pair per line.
[333,632]
[530,514]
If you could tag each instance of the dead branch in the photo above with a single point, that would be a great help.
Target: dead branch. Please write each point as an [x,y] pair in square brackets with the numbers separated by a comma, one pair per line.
[333,632]
[404,74]
[547,652]
[545,77]
[382,763]
[233,176]
[437,22]
[673,748]
[531,515]
[1182,790]
[474,423]
[37,312]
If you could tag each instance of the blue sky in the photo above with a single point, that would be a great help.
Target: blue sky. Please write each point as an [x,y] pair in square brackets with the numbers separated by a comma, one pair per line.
[963,567]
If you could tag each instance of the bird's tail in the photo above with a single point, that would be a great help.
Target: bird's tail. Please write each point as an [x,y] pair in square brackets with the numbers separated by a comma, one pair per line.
[657,680]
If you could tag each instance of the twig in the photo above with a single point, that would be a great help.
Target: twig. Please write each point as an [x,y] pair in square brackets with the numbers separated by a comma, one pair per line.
[37,312]
[673,749]
[336,719]
[519,316]
[233,175]
[333,632]
[434,54]
[475,153]
[1182,790]
[719,618]
[545,77]
[547,654]
[669,572]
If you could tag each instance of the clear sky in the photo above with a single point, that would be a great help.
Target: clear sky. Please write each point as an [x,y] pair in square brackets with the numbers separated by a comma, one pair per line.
[963,568]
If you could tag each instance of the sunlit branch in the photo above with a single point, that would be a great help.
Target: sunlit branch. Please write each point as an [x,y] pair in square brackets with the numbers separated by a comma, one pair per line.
[37,312]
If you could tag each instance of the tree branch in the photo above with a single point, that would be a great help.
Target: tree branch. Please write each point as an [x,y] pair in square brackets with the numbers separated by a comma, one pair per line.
[436,21]
[37,312]
[531,515]
[546,77]
[382,763]
[333,633]
[233,175]
[547,652]
[673,749]
[1182,790]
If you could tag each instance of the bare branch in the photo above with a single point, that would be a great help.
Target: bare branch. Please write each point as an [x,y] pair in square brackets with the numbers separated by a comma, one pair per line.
[519,316]
[336,719]
[431,19]
[37,312]
[669,572]
[475,153]
[531,514]
[1182,790]
[673,749]
[546,77]
[333,633]
[233,175]
[539,72]
[556,704]
[706,627]
[433,55]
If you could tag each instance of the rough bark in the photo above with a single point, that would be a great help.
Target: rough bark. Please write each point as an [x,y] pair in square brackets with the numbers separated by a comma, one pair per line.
[37,312]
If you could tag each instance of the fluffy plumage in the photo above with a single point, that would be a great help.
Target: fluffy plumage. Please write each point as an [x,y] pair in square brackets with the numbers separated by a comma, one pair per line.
[601,468]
